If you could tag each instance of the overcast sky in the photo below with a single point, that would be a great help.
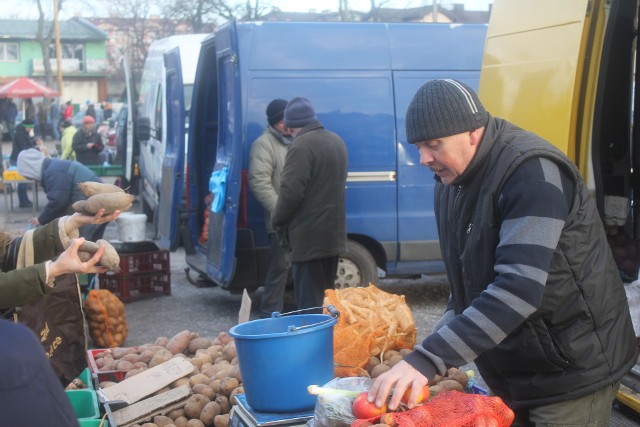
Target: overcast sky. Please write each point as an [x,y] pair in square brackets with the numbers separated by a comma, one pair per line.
[16,8]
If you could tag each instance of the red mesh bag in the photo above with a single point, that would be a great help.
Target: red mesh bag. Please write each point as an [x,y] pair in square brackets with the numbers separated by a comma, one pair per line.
[454,409]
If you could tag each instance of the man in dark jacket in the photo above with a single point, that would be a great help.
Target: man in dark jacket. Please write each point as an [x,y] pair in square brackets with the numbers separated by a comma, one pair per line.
[536,297]
[310,212]
[59,179]
[23,139]
[87,143]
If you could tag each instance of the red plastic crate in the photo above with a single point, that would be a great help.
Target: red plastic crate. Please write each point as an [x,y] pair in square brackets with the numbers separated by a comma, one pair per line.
[114,376]
[130,287]
[144,262]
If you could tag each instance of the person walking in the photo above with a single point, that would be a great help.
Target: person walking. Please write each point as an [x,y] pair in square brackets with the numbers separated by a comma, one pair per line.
[266,162]
[309,216]
[536,298]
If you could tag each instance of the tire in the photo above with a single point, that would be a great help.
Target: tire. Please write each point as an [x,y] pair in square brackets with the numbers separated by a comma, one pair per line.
[356,267]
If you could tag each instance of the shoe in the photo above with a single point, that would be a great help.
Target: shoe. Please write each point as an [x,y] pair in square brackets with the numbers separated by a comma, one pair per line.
[26,205]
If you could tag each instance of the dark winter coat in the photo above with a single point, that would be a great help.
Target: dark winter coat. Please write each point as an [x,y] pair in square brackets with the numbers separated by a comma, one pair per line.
[60,179]
[310,213]
[84,154]
[573,333]
[21,141]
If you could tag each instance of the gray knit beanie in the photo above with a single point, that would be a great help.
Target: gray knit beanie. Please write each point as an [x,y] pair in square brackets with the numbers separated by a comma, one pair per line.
[443,108]
[299,113]
[30,163]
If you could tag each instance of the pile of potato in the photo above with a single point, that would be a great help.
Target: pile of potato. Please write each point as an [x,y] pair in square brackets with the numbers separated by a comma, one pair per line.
[214,382]
[106,316]
[455,379]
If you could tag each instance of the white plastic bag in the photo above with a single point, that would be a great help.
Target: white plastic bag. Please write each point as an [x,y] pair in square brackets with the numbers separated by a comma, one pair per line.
[334,410]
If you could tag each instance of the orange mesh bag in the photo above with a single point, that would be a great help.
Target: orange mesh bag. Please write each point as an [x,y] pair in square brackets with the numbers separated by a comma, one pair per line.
[371,322]
[106,317]
[453,409]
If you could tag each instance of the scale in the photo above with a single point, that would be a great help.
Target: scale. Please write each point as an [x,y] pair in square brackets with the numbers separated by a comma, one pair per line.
[242,415]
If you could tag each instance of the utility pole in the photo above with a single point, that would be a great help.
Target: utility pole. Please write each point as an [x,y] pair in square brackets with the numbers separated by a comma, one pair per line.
[56,28]
[434,11]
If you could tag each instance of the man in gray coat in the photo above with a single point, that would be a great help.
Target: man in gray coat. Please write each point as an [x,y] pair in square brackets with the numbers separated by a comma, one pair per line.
[310,213]
[266,162]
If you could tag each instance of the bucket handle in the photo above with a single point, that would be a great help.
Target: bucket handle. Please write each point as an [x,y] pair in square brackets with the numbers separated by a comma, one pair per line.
[333,311]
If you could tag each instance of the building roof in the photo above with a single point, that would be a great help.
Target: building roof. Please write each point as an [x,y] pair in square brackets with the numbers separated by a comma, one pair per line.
[72,29]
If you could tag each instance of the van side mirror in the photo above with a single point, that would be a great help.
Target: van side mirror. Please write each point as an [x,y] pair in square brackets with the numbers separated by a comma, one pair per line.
[143,129]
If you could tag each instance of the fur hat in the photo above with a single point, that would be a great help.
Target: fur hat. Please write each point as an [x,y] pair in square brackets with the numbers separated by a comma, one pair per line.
[443,108]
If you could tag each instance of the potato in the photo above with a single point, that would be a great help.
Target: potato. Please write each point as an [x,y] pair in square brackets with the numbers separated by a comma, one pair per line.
[215,385]
[181,421]
[458,376]
[199,379]
[146,356]
[221,420]
[405,351]
[110,202]
[395,359]
[161,341]
[133,358]
[225,406]
[204,389]
[448,385]
[209,412]
[90,188]
[232,396]
[372,363]
[380,369]
[162,421]
[160,357]
[110,257]
[229,351]
[179,342]
[198,343]
[214,351]
[123,365]
[387,355]
[81,207]
[209,371]
[224,338]
[220,375]
[176,413]
[227,385]
[235,373]
[195,423]
[194,405]
[179,382]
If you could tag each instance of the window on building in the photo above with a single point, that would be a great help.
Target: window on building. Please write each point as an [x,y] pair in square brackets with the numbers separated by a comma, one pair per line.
[70,51]
[9,52]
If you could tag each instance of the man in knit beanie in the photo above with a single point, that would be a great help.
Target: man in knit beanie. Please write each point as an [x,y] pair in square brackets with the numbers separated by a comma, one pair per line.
[266,162]
[310,212]
[536,298]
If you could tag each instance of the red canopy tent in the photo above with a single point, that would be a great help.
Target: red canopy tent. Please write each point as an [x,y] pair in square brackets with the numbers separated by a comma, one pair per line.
[24,87]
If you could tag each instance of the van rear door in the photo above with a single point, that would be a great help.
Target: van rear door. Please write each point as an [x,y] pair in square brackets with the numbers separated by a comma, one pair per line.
[537,54]
[172,181]
[228,165]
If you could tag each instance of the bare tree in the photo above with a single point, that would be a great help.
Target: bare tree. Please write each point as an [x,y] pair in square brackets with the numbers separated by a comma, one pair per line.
[203,14]
[44,36]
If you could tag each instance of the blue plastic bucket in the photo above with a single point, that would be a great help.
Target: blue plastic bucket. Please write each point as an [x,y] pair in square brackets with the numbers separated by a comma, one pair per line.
[280,356]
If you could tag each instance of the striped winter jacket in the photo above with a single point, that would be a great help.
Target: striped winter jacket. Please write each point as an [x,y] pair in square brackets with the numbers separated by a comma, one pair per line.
[536,297]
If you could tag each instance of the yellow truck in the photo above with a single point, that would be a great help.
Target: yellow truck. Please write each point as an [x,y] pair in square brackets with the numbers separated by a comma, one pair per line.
[566,71]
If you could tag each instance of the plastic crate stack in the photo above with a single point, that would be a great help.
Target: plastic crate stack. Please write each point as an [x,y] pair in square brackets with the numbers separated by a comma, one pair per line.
[142,275]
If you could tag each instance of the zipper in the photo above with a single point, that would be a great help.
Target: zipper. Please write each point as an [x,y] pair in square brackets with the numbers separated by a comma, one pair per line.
[458,236]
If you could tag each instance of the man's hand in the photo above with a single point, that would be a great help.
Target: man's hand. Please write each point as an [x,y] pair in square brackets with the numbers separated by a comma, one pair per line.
[397,380]
[69,262]
[34,222]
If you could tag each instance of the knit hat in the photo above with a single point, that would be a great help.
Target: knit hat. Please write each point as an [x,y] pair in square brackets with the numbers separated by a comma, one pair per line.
[443,108]
[30,163]
[28,123]
[299,113]
[275,111]
[88,119]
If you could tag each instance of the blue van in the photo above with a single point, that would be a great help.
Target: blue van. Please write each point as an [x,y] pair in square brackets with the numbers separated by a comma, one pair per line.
[360,77]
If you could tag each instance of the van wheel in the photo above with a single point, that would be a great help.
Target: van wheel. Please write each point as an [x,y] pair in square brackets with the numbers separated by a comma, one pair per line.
[356,267]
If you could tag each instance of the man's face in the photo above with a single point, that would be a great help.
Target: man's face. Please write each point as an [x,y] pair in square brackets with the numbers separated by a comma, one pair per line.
[282,128]
[88,127]
[449,156]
